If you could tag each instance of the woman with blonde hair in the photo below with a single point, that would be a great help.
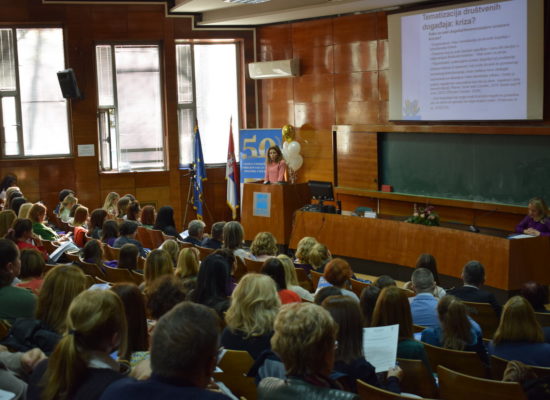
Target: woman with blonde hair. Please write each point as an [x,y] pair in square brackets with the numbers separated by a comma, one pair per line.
[110,204]
[24,210]
[66,206]
[264,246]
[319,256]
[6,221]
[254,305]
[173,248]
[303,249]
[536,222]
[188,263]
[291,279]
[519,336]
[81,366]
[233,235]
[157,264]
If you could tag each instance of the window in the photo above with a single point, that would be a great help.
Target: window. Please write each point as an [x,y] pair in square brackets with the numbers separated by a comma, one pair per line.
[208,93]
[130,108]
[33,112]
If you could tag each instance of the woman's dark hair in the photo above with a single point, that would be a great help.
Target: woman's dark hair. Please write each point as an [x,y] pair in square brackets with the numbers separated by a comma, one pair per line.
[19,227]
[11,197]
[384,281]
[325,292]
[128,228]
[64,193]
[32,264]
[97,218]
[134,308]
[132,212]
[148,215]
[279,154]
[73,210]
[127,257]
[110,230]
[8,254]
[536,294]
[165,218]
[7,181]
[213,281]
[346,313]
[122,206]
[274,268]
[369,295]
[16,204]
[92,252]
[428,261]
[164,293]
[227,254]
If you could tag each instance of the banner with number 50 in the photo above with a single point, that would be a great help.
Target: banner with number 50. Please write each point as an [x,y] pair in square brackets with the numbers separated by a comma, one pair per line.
[253,146]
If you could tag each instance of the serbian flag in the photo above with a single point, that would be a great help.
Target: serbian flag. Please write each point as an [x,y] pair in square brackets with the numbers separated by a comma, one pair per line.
[232,175]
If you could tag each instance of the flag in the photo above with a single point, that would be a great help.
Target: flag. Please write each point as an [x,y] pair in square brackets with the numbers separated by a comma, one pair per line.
[232,175]
[199,172]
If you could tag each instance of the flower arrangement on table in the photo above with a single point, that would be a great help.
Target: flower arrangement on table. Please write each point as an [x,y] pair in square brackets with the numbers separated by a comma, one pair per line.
[424,216]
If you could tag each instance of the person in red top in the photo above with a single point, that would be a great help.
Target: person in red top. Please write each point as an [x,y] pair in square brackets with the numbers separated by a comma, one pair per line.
[80,223]
[32,270]
[275,166]
[21,233]
[275,269]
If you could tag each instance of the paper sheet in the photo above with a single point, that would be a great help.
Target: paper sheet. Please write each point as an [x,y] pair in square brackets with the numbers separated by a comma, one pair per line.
[380,346]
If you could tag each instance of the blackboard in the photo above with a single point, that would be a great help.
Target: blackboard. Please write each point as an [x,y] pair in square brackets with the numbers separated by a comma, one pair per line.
[507,169]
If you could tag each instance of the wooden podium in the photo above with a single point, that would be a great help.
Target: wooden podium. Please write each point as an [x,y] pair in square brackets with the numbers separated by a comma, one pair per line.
[270,208]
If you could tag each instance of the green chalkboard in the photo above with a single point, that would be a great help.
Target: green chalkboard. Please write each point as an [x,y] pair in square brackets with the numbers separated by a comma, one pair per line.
[507,169]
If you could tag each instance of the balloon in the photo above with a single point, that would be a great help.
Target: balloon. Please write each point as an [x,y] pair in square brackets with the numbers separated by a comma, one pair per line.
[294,148]
[285,145]
[285,153]
[291,162]
[288,133]
[299,162]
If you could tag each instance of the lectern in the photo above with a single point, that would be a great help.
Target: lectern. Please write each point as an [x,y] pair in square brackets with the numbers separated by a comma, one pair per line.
[270,208]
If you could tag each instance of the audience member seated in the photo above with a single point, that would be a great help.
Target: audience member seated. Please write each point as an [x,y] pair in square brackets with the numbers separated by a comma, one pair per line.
[338,273]
[519,336]
[24,210]
[128,257]
[12,195]
[424,304]
[384,281]
[305,336]
[133,212]
[392,307]
[66,206]
[127,232]
[122,206]
[213,284]
[14,302]
[32,270]
[536,223]
[37,215]
[97,218]
[273,267]
[110,232]
[81,366]
[195,230]
[215,241]
[325,292]
[157,264]
[171,247]
[428,261]
[350,363]
[92,253]
[302,252]
[165,222]
[232,262]
[473,275]
[367,302]
[148,215]
[136,319]
[233,236]
[254,305]
[80,224]
[17,203]
[319,256]
[63,193]
[291,278]
[110,204]
[264,246]
[15,369]
[183,356]
[22,235]
[536,295]
[6,221]
[8,181]
[188,263]
[164,294]
[456,331]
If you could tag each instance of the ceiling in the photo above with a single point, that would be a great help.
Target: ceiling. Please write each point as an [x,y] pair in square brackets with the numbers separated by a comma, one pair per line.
[217,12]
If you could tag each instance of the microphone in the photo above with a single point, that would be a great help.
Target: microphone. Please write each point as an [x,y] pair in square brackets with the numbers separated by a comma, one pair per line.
[473,228]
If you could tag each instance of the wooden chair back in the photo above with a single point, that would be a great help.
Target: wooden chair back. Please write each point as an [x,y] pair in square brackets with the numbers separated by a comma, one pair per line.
[253,265]
[467,362]
[156,238]
[457,386]
[90,280]
[498,366]
[111,253]
[235,364]
[91,269]
[408,292]
[418,328]
[204,251]
[144,238]
[304,280]
[315,277]
[369,392]
[49,246]
[116,275]
[485,316]
[240,269]
[184,245]
[417,379]
[73,257]
[141,263]
[543,318]
[358,286]
[138,278]
[47,267]
[5,327]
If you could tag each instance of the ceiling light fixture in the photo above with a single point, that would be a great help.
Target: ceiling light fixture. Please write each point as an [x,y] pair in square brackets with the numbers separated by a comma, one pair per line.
[246,1]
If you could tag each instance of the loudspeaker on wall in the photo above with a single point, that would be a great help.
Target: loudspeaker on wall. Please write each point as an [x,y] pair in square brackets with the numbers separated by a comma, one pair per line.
[68,85]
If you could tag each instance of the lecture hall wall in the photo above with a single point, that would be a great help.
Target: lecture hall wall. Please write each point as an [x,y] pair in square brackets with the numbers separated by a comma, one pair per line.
[86,24]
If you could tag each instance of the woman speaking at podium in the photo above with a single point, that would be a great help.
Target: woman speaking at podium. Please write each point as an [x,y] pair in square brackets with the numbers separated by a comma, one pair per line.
[275,166]
[536,222]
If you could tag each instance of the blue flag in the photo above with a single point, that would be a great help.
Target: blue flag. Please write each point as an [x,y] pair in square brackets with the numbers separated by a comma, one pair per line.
[199,172]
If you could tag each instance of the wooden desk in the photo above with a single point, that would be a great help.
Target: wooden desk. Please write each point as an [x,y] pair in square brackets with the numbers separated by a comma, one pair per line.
[508,263]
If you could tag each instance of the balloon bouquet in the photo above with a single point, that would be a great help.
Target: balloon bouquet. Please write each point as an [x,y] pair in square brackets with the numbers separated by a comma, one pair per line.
[291,152]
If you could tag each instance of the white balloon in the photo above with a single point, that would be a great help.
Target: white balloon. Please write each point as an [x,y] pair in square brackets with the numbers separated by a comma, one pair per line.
[294,148]
[285,154]
[285,145]
[299,161]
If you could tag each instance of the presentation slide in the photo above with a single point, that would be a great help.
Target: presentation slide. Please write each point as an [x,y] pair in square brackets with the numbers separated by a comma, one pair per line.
[463,63]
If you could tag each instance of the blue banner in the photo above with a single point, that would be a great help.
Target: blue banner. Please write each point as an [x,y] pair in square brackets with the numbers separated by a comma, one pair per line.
[253,145]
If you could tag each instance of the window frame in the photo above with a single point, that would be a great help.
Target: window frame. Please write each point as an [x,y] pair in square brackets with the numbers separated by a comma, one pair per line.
[19,116]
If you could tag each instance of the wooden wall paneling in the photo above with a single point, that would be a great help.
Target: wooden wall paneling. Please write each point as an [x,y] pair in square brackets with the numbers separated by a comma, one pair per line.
[350,203]
[355,28]
[316,116]
[110,22]
[313,33]
[315,60]
[364,111]
[357,56]
[274,42]
[87,181]
[357,161]
[356,86]
[158,195]
[146,21]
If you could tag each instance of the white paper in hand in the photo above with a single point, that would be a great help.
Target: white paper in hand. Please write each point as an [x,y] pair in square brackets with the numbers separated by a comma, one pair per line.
[380,346]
